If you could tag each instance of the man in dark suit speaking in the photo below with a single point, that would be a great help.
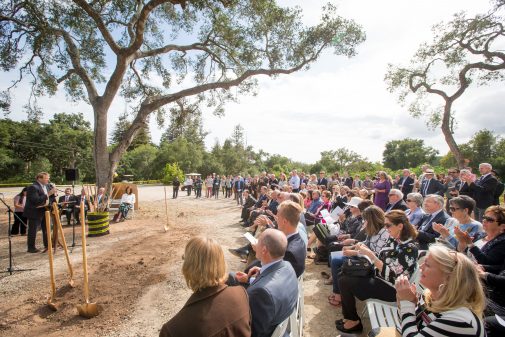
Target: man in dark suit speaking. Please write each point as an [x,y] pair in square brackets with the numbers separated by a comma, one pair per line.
[37,196]
[274,291]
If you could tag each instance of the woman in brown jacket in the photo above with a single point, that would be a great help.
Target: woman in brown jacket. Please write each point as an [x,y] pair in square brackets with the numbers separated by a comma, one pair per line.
[214,309]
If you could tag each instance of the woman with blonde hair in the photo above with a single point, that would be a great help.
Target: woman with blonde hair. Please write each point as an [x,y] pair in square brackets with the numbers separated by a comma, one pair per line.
[453,301]
[214,309]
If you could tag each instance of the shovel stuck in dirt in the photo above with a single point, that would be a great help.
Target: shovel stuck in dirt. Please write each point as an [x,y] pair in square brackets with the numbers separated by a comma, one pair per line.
[56,213]
[50,301]
[87,310]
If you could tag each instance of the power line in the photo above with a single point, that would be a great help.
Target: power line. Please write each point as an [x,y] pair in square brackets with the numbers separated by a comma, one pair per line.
[43,146]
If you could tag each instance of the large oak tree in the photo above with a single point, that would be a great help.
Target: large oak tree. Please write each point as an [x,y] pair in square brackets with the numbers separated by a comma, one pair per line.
[158,54]
[464,51]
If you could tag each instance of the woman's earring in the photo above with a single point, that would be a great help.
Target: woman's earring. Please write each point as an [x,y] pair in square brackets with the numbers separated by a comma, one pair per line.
[441,287]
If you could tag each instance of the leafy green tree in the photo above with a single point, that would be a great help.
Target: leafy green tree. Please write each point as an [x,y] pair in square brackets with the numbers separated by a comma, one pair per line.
[70,138]
[483,147]
[406,153]
[238,136]
[187,154]
[171,171]
[185,121]
[25,140]
[158,52]
[464,51]
[143,137]
[139,162]
[210,164]
[336,160]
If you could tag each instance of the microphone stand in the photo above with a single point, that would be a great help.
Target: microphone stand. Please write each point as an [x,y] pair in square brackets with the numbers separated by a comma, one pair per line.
[73,223]
[11,269]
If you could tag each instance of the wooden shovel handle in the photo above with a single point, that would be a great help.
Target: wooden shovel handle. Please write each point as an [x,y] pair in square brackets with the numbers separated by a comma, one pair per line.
[50,253]
[84,258]
[56,212]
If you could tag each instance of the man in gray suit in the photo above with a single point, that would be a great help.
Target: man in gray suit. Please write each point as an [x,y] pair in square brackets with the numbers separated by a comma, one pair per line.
[274,291]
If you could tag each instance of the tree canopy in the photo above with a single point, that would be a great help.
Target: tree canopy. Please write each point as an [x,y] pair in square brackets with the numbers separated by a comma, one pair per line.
[29,147]
[406,153]
[158,54]
[464,51]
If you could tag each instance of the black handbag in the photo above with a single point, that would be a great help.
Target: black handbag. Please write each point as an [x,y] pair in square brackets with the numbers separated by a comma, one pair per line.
[358,266]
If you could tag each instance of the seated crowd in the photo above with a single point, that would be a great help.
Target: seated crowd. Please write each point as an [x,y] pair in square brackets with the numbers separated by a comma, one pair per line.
[435,245]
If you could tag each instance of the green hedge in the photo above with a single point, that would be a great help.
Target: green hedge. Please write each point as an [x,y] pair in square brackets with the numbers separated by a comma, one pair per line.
[15,185]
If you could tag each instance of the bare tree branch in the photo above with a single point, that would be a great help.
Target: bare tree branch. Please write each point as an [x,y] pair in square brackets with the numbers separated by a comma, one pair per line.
[75,58]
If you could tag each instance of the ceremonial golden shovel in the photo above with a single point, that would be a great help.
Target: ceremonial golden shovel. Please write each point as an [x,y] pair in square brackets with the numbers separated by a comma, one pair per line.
[87,309]
[50,300]
[56,212]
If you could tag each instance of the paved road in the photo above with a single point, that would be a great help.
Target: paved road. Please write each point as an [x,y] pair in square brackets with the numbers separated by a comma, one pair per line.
[146,192]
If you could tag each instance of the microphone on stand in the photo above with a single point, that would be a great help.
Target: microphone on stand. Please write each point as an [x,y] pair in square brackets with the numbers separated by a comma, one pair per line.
[54,186]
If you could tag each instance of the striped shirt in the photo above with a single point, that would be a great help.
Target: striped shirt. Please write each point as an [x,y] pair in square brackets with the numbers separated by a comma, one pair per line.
[417,321]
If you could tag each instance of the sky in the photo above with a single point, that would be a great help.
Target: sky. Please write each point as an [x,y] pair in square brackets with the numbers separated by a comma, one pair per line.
[338,102]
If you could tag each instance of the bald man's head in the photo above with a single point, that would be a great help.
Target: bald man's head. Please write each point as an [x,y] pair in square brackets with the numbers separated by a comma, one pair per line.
[274,241]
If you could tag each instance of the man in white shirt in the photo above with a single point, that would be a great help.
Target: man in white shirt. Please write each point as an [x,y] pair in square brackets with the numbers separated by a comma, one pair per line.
[294,181]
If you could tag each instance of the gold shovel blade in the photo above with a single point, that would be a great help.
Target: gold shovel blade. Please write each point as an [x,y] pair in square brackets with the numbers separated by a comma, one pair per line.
[88,310]
[52,305]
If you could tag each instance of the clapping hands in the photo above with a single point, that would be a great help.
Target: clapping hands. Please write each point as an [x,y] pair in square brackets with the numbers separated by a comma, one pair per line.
[405,291]
[444,232]
[462,236]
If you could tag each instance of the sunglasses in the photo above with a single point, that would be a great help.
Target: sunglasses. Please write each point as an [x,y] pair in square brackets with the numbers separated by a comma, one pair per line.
[409,200]
[488,219]
[388,225]
[452,209]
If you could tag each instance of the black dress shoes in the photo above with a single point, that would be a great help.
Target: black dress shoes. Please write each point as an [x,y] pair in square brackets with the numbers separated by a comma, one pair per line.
[357,328]
[33,250]
[239,252]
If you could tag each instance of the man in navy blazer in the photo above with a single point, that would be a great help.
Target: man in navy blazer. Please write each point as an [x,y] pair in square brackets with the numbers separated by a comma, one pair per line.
[37,196]
[406,184]
[434,207]
[482,188]
[273,293]
[430,185]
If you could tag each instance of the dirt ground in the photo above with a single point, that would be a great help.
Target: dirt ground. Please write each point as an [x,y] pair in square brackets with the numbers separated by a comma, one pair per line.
[134,273]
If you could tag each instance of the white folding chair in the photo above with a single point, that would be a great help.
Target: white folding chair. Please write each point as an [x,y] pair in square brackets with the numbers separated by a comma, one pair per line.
[281,328]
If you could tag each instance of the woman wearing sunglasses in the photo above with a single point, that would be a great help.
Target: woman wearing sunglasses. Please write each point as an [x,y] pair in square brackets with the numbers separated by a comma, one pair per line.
[415,212]
[490,250]
[398,257]
[461,209]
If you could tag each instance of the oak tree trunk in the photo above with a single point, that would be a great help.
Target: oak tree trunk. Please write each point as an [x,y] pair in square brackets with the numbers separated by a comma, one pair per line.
[449,139]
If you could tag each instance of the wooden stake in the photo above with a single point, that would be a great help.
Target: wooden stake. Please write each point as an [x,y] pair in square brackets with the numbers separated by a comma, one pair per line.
[166,209]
